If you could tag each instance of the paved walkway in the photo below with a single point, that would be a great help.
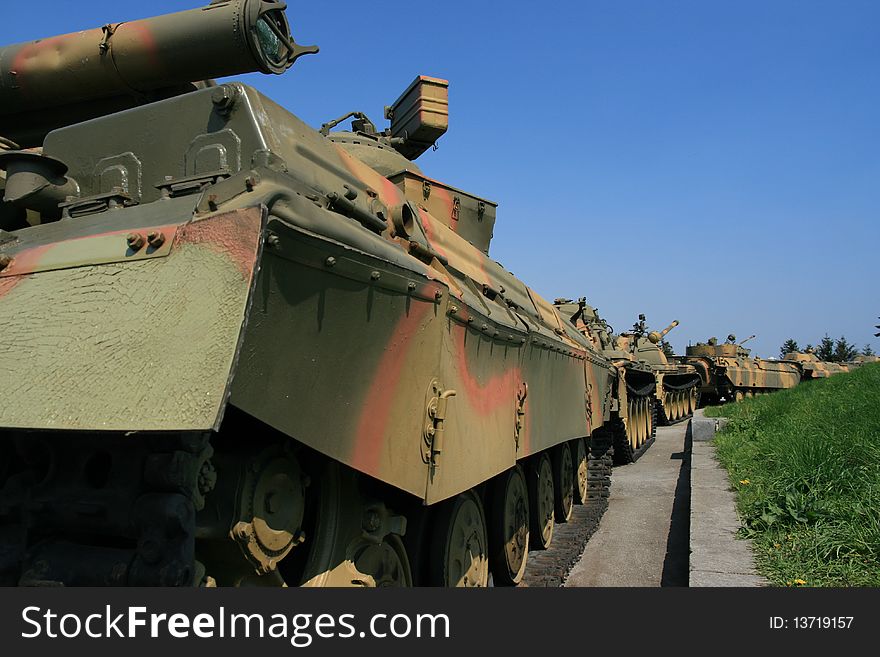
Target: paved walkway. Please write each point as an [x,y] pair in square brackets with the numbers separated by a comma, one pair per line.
[717,557]
[643,537]
[671,520]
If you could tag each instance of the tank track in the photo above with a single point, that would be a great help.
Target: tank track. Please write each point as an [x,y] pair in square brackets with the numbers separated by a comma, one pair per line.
[549,568]
[663,420]
[661,414]
[679,420]
[153,519]
[138,529]
[623,451]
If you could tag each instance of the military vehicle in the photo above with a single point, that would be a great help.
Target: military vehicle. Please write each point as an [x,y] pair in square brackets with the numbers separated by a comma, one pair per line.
[635,432]
[677,384]
[811,367]
[238,350]
[860,360]
[728,374]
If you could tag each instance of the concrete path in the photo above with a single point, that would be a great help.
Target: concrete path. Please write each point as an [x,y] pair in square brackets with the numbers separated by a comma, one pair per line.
[643,537]
[717,557]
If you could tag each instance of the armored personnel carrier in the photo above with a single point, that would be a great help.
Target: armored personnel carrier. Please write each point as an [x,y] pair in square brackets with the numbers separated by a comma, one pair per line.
[635,431]
[860,360]
[811,367]
[239,350]
[728,374]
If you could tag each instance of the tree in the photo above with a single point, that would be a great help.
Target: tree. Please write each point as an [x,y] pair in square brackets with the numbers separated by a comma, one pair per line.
[825,350]
[867,351]
[877,326]
[788,346]
[667,349]
[844,351]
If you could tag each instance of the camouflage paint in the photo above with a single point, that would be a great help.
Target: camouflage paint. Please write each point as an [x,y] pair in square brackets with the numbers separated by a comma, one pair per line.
[812,368]
[726,369]
[127,346]
[348,329]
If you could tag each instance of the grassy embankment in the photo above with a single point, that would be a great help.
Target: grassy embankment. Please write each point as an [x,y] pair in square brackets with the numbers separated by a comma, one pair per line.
[806,466]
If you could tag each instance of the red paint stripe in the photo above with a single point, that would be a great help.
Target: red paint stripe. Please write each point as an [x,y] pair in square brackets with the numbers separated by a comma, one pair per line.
[428,225]
[143,35]
[235,235]
[387,191]
[483,397]
[27,260]
[372,428]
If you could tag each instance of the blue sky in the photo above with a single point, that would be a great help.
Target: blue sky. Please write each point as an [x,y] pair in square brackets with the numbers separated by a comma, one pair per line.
[711,162]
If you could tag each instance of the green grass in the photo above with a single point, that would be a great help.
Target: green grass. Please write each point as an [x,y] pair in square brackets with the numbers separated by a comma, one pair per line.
[716,411]
[806,466]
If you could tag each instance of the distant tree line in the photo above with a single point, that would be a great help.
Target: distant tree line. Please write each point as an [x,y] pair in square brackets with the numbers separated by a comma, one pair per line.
[828,349]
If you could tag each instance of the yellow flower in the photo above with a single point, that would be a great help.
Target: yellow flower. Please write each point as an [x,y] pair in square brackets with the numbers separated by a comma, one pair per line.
[744,482]
[777,546]
[800,582]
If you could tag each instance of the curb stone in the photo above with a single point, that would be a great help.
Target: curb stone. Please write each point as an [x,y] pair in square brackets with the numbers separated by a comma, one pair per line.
[718,557]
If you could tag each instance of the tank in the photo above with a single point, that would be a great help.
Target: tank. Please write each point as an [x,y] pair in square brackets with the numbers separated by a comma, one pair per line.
[245,351]
[860,360]
[812,368]
[636,429]
[727,372]
[677,384]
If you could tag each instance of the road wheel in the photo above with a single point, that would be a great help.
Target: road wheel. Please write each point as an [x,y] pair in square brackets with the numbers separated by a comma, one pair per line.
[459,546]
[563,476]
[384,564]
[581,469]
[541,511]
[509,527]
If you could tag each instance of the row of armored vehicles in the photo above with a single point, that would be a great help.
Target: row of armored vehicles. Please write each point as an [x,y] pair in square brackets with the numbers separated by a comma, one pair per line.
[244,351]
[251,352]
[728,373]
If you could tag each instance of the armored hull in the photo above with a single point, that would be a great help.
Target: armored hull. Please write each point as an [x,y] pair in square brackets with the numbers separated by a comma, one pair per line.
[639,388]
[244,354]
[812,368]
[728,374]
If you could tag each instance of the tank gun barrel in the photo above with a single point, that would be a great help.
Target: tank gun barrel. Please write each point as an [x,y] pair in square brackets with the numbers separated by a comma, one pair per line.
[666,331]
[657,336]
[139,59]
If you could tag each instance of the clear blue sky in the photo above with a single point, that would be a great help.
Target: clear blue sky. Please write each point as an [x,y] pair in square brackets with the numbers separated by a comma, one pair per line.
[712,162]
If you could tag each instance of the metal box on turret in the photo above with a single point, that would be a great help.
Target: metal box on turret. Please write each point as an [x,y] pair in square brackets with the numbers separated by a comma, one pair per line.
[471,217]
[420,115]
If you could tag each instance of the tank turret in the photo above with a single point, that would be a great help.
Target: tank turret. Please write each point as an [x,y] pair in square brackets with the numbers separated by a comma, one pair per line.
[676,383]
